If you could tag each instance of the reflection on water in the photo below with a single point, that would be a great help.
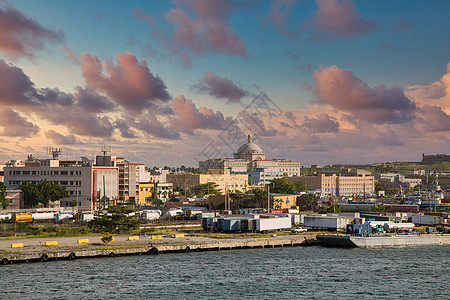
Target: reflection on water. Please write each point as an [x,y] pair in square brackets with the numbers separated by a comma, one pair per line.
[288,273]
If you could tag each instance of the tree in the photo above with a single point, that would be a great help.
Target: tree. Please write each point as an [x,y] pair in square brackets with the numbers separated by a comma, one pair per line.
[30,194]
[117,220]
[379,187]
[276,203]
[209,188]
[260,197]
[307,201]
[284,186]
[3,201]
[44,192]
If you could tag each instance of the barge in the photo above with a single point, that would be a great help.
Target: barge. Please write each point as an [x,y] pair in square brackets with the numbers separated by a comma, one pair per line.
[351,241]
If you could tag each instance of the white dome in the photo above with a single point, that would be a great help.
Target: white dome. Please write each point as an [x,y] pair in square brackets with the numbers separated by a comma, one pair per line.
[249,147]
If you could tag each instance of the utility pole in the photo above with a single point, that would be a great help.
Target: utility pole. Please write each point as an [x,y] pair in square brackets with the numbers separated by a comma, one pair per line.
[268,198]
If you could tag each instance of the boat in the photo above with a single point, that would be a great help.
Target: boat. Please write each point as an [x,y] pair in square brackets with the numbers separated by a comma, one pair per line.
[389,240]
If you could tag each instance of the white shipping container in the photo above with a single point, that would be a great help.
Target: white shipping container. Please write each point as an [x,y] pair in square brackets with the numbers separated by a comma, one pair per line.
[150,215]
[5,216]
[86,217]
[425,220]
[263,224]
[327,222]
[43,216]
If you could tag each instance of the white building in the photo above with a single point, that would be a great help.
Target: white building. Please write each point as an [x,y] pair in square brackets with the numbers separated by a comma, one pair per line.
[85,183]
[250,158]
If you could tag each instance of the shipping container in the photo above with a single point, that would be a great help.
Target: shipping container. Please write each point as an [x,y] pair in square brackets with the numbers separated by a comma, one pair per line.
[270,224]
[324,222]
[149,215]
[231,224]
[403,208]
[6,216]
[43,216]
[425,220]
[58,217]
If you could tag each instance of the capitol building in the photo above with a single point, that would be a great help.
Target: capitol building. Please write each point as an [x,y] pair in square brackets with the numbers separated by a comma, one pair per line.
[250,159]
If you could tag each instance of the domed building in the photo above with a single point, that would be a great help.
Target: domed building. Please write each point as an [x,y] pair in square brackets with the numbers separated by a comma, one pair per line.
[250,151]
[251,159]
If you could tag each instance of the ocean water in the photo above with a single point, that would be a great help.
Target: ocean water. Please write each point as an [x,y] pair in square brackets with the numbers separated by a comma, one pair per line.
[280,273]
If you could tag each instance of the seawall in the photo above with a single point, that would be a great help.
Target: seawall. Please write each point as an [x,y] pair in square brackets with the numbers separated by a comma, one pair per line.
[146,247]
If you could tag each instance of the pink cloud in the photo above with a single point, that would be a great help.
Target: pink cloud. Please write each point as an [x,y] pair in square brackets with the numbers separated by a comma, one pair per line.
[435,93]
[15,125]
[92,102]
[280,12]
[209,31]
[347,93]
[21,36]
[433,119]
[150,124]
[71,56]
[191,118]
[322,124]
[130,83]
[16,87]
[60,139]
[339,18]
[220,88]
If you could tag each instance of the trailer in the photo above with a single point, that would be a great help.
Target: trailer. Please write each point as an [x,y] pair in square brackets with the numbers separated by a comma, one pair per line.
[6,216]
[22,217]
[425,220]
[41,216]
[325,222]
[149,215]
[271,224]
[59,217]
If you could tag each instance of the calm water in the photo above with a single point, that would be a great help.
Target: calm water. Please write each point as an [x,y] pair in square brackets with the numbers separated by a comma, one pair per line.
[288,273]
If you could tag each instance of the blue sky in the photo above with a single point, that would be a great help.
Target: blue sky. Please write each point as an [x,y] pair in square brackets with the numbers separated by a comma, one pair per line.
[355,81]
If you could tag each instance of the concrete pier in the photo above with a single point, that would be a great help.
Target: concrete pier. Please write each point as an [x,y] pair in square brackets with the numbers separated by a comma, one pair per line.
[146,246]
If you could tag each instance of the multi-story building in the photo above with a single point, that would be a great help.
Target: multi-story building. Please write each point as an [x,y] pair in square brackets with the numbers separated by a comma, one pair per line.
[84,182]
[15,199]
[225,180]
[145,192]
[335,185]
[128,187]
[250,158]
[164,190]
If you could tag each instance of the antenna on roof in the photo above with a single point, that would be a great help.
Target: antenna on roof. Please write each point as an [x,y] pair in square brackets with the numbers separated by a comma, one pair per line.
[105,150]
[55,152]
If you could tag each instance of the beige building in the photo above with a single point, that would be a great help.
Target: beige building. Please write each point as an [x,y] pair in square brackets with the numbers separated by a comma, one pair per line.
[284,201]
[335,185]
[224,179]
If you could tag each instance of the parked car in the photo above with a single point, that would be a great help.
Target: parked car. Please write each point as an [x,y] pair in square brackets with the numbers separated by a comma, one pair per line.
[299,229]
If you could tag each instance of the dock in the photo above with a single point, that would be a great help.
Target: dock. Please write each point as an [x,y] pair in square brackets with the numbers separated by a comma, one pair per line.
[146,247]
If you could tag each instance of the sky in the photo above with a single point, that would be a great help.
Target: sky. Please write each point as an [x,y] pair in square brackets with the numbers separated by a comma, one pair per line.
[174,82]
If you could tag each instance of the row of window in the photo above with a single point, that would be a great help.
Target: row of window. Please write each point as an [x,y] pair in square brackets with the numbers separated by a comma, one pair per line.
[68,183]
[54,173]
